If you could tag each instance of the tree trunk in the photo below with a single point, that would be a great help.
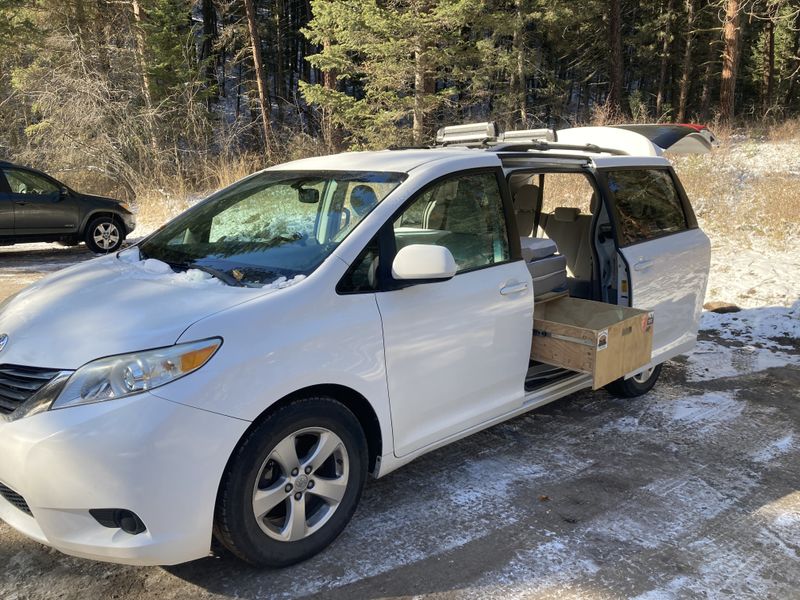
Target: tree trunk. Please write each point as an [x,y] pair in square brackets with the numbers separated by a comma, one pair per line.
[730,61]
[261,81]
[145,75]
[279,11]
[662,75]
[331,132]
[705,94]
[686,71]
[518,80]
[616,67]
[102,35]
[207,53]
[768,79]
[423,87]
[795,65]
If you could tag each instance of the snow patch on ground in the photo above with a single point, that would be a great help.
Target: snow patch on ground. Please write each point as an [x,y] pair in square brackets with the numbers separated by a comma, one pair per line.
[774,327]
[759,339]
[711,407]
[754,158]
[775,450]
[751,277]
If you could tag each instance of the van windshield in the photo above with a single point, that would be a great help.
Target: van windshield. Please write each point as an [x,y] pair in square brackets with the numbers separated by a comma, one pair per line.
[270,225]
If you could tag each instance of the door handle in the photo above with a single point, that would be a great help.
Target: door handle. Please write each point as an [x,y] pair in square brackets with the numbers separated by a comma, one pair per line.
[513,288]
[20,202]
[643,265]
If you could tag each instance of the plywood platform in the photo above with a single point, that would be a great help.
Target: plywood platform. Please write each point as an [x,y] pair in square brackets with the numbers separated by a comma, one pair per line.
[603,340]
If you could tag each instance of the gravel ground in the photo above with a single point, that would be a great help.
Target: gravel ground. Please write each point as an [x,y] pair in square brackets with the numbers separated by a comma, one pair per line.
[692,491]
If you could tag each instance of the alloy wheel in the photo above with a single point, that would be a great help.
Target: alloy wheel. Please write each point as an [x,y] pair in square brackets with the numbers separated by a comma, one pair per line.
[106,235]
[644,375]
[301,484]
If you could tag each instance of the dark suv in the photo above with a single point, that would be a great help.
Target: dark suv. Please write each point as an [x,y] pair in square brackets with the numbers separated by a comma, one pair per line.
[34,207]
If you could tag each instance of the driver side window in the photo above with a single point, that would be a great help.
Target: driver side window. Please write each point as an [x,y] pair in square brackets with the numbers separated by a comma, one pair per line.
[23,182]
[464,214]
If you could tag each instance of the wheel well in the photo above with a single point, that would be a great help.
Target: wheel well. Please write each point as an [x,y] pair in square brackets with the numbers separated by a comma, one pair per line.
[101,213]
[351,399]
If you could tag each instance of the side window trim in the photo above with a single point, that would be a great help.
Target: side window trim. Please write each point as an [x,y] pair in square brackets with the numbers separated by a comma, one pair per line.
[688,212]
[5,188]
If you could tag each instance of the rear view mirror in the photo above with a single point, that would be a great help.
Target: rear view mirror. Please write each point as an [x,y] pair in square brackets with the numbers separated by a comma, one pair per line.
[421,262]
[308,195]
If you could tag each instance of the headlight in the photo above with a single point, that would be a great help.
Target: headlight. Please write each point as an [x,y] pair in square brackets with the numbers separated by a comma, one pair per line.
[126,374]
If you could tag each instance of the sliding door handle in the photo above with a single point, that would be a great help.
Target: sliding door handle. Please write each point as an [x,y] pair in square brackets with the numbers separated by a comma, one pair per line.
[514,288]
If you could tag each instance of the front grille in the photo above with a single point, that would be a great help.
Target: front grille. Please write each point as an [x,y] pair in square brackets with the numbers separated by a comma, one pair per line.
[18,383]
[15,499]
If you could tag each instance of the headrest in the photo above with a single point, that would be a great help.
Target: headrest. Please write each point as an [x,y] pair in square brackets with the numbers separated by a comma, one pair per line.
[566,214]
[362,199]
[526,197]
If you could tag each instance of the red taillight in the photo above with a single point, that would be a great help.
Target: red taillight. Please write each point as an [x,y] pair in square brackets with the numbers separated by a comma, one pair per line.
[694,126]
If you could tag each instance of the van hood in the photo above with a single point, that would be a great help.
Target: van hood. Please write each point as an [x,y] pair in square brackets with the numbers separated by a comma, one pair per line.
[110,305]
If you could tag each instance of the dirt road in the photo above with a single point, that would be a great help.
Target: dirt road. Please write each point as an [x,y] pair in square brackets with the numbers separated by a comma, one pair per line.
[690,491]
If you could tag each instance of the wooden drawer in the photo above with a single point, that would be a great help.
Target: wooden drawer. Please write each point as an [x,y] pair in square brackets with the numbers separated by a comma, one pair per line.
[603,340]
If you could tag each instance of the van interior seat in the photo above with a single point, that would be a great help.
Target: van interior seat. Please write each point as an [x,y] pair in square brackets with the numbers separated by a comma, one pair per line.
[526,197]
[571,231]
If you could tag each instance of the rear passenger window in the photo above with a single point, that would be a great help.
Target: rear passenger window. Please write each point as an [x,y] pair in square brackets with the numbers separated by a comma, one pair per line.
[465,215]
[647,204]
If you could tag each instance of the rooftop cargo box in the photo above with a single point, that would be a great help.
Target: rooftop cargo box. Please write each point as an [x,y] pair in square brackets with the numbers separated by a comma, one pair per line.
[603,340]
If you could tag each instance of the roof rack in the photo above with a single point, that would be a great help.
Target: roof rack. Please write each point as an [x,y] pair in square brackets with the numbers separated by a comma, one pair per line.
[541,146]
[481,134]
[470,133]
[487,136]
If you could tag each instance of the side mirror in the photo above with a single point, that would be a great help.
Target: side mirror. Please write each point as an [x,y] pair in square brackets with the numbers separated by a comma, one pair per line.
[421,262]
[64,193]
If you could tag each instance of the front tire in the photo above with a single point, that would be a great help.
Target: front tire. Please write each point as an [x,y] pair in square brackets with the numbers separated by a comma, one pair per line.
[293,483]
[104,235]
[639,384]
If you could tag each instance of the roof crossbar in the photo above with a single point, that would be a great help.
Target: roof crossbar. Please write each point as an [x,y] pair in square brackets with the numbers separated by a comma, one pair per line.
[541,146]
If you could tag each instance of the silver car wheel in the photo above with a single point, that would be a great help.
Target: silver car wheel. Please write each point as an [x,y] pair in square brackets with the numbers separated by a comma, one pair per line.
[644,375]
[106,235]
[301,484]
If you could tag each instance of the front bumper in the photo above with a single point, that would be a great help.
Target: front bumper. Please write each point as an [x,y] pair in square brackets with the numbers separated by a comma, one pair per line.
[130,223]
[157,458]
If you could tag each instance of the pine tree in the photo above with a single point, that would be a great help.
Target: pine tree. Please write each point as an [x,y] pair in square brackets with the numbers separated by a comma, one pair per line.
[391,56]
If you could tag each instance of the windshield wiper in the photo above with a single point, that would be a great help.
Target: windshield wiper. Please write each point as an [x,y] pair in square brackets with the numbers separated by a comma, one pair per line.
[221,275]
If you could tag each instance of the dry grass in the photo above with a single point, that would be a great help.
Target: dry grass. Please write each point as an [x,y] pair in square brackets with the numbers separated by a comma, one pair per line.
[159,199]
[749,187]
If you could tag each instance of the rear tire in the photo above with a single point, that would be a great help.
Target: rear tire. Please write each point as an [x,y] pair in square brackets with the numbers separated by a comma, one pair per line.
[635,386]
[292,484]
[104,235]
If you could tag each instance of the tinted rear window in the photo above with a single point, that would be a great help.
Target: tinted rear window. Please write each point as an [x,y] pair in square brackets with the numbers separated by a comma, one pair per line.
[647,204]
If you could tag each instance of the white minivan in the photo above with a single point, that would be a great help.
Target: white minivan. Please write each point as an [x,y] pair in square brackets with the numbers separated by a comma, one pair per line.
[238,373]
